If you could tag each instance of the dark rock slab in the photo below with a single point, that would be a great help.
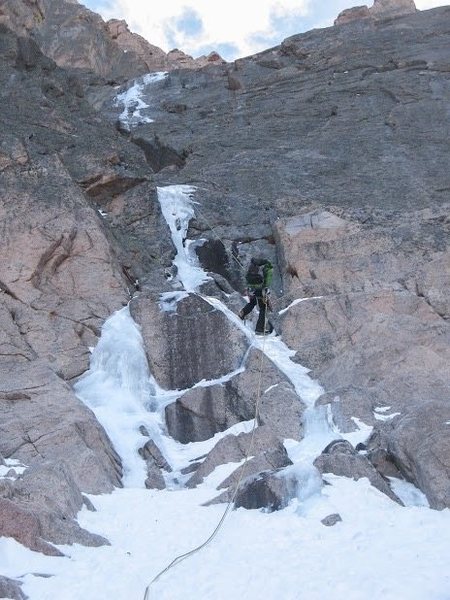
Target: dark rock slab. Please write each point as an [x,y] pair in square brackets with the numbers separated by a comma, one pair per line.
[331,520]
[203,411]
[9,588]
[270,491]
[193,342]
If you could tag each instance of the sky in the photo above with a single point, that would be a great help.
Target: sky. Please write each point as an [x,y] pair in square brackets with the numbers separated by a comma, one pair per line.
[234,29]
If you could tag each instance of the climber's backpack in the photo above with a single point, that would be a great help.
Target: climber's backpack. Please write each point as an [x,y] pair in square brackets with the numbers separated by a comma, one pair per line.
[255,277]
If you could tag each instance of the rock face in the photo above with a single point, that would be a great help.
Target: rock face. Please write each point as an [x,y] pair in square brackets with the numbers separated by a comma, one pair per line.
[338,332]
[77,38]
[10,589]
[42,505]
[215,347]
[155,58]
[329,154]
[417,443]
[203,411]
[340,458]
[43,420]
[60,277]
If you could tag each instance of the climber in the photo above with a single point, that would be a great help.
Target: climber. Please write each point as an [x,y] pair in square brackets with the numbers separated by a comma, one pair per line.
[258,279]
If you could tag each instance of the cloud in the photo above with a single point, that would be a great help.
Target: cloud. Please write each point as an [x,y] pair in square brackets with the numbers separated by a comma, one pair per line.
[198,25]
[235,28]
[425,4]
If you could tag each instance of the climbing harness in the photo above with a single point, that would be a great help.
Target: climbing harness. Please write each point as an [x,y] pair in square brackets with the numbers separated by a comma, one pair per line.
[178,559]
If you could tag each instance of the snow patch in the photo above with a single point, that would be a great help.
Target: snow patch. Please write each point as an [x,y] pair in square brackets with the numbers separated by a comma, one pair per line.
[132,103]
[169,300]
[297,301]
[11,464]
[385,417]
[408,493]
[360,435]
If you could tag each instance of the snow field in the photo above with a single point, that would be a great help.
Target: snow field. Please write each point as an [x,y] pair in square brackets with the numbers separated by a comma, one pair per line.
[379,551]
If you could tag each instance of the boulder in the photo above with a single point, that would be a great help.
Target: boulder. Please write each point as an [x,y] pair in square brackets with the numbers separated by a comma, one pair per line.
[40,506]
[270,460]
[331,520]
[9,588]
[340,458]
[43,420]
[383,9]
[189,343]
[350,15]
[203,411]
[418,443]
[234,448]
[155,463]
[270,491]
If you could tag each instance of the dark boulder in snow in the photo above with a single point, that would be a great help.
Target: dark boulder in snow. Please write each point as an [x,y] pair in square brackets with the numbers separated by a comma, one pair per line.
[340,458]
[155,462]
[9,588]
[331,520]
[268,490]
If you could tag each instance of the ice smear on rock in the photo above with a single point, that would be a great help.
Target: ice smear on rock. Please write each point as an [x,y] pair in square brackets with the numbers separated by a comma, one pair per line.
[118,388]
[132,103]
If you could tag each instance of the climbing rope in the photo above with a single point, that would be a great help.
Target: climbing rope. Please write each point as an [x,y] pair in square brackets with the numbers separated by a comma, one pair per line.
[180,558]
